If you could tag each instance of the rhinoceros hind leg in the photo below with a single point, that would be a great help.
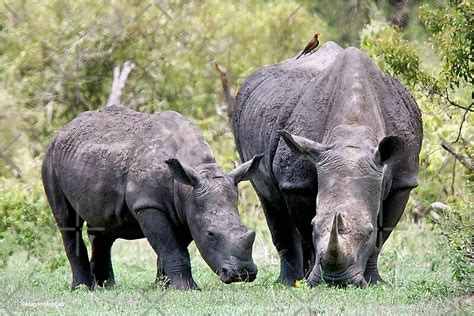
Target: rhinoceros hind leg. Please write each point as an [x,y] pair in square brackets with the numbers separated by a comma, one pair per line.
[76,252]
[70,224]
[101,263]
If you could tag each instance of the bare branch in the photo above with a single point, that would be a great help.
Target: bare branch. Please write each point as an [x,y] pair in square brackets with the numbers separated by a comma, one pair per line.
[453,178]
[11,12]
[163,10]
[141,13]
[463,160]
[13,141]
[462,123]
[225,86]
[446,97]
[120,77]
[292,14]
[16,170]
[458,105]
[99,55]
[421,211]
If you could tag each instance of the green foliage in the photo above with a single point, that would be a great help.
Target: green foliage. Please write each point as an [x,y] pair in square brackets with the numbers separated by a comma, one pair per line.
[444,72]
[457,226]
[452,35]
[387,47]
[26,222]
[345,19]
[57,57]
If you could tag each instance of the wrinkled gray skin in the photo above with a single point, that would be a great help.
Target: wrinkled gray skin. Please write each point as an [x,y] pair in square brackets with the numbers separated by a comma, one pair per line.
[132,175]
[341,141]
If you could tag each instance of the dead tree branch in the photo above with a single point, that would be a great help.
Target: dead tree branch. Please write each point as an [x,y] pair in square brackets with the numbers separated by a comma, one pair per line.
[16,170]
[120,77]
[463,160]
[435,91]
[157,3]
[225,87]
[421,211]
[462,122]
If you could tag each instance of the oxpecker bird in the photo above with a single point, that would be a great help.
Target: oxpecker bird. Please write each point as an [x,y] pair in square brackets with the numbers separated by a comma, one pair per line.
[310,46]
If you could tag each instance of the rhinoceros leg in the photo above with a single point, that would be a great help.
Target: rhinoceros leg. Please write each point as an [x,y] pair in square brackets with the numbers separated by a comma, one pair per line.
[173,252]
[392,211]
[298,207]
[70,225]
[76,252]
[286,240]
[101,263]
[161,277]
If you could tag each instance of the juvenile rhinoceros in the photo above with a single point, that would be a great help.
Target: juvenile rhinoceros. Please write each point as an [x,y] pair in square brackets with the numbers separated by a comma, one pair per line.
[132,175]
[341,141]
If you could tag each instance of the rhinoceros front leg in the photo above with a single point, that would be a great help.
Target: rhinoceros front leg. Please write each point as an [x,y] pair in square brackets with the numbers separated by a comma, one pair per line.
[392,211]
[160,273]
[287,242]
[174,255]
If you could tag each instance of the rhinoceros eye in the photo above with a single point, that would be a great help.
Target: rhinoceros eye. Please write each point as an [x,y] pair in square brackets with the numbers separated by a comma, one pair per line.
[211,234]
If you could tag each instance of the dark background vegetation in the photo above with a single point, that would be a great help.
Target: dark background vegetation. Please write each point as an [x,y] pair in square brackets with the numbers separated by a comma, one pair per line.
[57,57]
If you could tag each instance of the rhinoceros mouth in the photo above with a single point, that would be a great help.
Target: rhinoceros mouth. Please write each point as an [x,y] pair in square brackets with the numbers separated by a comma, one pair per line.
[229,274]
[344,279]
[339,278]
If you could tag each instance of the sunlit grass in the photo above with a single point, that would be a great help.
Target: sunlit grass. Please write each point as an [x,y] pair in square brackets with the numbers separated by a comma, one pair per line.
[417,272]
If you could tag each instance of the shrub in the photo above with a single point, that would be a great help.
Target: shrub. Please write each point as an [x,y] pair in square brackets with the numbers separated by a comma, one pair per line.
[26,222]
[457,226]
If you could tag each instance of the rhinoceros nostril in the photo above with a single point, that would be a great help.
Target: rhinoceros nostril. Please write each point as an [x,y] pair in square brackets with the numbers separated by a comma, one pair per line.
[225,271]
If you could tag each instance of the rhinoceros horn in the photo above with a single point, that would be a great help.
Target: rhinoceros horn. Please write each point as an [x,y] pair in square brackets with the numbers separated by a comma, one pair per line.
[333,258]
[248,238]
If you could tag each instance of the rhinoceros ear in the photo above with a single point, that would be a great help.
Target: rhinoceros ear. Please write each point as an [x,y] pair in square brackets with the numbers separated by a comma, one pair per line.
[246,170]
[302,145]
[183,173]
[390,148]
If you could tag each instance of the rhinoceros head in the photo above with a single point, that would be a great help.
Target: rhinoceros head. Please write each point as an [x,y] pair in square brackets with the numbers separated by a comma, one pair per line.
[213,220]
[352,183]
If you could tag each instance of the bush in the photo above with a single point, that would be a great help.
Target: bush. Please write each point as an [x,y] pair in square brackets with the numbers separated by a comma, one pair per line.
[57,60]
[26,223]
[457,226]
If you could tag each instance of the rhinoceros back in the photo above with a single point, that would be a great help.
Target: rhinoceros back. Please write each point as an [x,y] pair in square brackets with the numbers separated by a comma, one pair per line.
[311,95]
[100,154]
[268,98]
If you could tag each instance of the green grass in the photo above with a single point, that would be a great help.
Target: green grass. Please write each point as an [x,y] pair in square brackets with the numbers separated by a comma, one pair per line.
[417,271]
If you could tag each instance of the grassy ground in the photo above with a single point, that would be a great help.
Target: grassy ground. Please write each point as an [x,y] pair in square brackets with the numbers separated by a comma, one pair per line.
[416,269]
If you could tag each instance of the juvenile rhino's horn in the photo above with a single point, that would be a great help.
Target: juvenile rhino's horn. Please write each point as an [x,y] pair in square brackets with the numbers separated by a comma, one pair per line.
[248,238]
[333,256]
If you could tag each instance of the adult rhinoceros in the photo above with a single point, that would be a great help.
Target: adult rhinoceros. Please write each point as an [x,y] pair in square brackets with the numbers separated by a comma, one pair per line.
[341,141]
[133,175]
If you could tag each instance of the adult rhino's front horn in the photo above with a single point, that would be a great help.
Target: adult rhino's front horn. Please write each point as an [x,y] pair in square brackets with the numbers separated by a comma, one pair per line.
[334,257]
[337,262]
